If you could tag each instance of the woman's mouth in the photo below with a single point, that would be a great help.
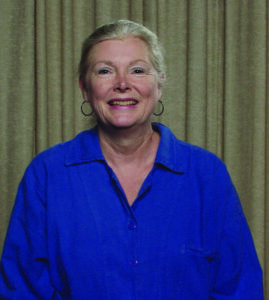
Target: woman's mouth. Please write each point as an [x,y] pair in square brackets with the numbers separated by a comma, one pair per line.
[122,102]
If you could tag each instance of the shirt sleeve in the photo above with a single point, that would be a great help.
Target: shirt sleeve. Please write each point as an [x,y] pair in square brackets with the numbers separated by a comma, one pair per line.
[239,275]
[24,272]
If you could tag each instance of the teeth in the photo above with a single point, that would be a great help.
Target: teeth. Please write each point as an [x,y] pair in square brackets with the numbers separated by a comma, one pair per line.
[127,102]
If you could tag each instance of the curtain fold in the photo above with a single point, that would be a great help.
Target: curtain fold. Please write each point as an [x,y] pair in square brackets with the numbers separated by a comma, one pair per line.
[17,100]
[215,96]
[246,72]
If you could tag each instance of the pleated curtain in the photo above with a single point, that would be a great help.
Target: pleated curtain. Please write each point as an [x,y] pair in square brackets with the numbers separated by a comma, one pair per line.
[215,95]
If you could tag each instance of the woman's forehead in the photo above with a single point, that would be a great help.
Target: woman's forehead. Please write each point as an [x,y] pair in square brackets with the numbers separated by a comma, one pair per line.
[125,48]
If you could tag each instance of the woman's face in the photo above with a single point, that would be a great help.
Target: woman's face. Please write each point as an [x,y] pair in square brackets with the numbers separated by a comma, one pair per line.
[121,83]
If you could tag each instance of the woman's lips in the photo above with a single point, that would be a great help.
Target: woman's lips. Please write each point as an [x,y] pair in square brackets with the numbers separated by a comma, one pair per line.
[122,102]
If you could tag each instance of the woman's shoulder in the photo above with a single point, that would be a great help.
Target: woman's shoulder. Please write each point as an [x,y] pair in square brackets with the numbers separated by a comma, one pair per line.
[195,161]
[56,156]
[185,151]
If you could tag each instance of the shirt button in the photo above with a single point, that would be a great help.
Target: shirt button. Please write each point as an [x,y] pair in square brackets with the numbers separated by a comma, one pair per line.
[133,262]
[132,225]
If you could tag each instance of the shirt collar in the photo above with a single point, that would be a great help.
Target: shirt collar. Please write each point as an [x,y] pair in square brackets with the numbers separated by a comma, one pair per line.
[172,153]
[84,148]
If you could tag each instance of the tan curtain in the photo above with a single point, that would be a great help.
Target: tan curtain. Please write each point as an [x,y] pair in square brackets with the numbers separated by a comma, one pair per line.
[216,94]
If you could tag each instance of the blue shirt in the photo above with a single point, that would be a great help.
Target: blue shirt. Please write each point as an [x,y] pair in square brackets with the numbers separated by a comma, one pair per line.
[72,234]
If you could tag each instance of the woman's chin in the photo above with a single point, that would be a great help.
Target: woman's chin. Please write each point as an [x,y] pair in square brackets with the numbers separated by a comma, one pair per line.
[121,124]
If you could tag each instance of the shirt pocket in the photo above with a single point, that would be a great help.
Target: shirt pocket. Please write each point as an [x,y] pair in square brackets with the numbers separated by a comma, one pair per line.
[206,255]
[198,271]
[202,264]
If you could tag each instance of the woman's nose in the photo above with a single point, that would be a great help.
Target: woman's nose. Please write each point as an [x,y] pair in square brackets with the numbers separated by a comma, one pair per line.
[122,83]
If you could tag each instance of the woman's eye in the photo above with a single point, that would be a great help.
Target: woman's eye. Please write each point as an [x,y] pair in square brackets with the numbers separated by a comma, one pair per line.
[103,71]
[138,71]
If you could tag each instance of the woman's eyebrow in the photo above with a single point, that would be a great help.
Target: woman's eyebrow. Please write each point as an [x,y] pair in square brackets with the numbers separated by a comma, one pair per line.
[106,62]
[109,62]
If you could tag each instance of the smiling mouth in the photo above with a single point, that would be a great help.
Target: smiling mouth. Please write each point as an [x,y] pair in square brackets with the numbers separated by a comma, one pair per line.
[122,102]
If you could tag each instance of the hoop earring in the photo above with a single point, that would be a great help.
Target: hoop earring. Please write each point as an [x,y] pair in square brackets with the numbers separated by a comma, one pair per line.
[162,109]
[81,109]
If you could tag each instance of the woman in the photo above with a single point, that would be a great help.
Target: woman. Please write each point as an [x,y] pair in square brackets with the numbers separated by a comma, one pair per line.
[125,210]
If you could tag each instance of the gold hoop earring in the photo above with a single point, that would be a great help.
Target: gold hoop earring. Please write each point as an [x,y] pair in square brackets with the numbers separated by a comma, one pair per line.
[82,111]
[162,109]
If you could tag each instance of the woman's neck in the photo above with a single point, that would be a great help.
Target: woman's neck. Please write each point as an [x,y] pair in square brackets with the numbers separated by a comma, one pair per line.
[128,145]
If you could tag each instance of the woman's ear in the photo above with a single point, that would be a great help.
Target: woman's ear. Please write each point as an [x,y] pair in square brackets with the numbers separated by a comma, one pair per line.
[160,85]
[82,87]
[160,91]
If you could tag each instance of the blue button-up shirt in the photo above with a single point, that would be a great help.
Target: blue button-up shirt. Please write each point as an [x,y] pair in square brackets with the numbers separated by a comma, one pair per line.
[73,235]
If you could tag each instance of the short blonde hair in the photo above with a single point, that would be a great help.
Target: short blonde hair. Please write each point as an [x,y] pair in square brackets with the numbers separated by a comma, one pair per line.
[118,30]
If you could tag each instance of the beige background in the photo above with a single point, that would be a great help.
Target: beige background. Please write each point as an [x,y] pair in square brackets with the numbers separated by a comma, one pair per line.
[216,95]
